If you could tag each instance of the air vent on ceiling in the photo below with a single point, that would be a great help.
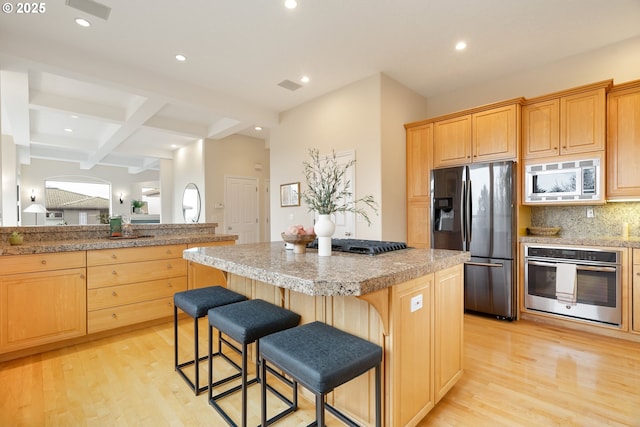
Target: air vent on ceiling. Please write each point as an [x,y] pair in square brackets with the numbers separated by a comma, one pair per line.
[288,84]
[91,7]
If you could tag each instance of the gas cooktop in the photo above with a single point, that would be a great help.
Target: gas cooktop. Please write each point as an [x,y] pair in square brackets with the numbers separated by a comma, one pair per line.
[357,246]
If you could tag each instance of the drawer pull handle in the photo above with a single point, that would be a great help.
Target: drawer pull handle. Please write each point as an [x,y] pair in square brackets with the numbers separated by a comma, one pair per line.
[169,266]
[43,262]
[113,256]
[168,251]
[114,294]
[115,316]
[169,285]
[113,272]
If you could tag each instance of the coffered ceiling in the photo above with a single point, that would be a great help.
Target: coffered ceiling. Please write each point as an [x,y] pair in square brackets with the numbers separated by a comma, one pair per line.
[125,100]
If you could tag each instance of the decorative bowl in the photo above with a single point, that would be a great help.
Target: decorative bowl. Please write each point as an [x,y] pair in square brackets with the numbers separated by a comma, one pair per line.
[299,241]
[16,240]
[543,231]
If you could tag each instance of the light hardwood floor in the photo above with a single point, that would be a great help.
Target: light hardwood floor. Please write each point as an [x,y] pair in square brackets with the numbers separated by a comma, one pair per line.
[516,374]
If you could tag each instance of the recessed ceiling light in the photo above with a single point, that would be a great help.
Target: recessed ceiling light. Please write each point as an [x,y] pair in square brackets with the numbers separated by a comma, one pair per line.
[258,128]
[181,57]
[461,45]
[290,4]
[74,116]
[305,79]
[174,146]
[83,22]
[68,130]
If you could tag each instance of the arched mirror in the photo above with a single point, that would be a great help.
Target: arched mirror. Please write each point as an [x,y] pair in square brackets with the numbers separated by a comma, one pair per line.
[191,203]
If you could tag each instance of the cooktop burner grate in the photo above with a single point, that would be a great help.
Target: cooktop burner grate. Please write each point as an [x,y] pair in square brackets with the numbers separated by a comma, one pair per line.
[358,246]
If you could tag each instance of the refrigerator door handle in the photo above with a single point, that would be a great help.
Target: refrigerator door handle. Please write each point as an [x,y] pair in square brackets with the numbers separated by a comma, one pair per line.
[485,264]
[463,214]
[469,209]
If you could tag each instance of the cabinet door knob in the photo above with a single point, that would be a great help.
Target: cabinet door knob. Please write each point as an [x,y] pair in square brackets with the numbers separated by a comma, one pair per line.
[169,285]
[115,316]
[43,262]
[113,256]
[169,266]
[114,272]
[114,294]
[168,251]
[82,276]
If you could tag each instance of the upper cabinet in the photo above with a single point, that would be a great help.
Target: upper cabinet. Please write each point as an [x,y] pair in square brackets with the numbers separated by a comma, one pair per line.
[483,135]
[565,123]
[623,145]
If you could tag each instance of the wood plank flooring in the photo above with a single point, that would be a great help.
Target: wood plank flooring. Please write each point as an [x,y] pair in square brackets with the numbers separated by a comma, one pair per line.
[516,374]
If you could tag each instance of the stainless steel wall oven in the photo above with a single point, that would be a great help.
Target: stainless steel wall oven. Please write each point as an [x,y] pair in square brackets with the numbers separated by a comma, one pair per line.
[597,282]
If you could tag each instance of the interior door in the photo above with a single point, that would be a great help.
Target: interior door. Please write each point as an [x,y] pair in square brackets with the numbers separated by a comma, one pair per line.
[241,209]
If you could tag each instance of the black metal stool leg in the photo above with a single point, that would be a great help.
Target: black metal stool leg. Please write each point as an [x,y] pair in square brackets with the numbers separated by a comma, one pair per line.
[175,335]
[196,356]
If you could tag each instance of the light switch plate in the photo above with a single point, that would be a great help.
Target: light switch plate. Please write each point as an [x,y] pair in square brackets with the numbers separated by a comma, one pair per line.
[416,303]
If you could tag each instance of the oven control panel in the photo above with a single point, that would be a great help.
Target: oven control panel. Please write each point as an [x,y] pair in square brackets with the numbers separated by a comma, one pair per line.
[574,254]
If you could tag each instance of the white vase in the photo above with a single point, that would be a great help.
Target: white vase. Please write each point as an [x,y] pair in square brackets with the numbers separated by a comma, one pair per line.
[324,229]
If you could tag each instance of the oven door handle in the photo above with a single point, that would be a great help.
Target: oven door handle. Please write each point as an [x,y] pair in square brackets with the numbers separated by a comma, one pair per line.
[602,269]
[542,264]
[578,267]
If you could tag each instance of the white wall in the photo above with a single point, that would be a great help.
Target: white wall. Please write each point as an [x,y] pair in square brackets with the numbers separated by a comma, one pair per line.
[8,201]
[620,62]
[239,156]
[188,167]
[366,116]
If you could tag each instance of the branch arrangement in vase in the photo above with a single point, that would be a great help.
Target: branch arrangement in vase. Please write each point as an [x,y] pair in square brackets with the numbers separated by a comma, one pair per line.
[327,190]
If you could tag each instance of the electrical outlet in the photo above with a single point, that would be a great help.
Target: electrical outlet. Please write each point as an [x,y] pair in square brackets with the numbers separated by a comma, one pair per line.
[590,213]
[416,303]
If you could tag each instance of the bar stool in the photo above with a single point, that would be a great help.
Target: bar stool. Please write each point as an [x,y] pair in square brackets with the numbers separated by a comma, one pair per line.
[196,303]
[246,322]
[320,358]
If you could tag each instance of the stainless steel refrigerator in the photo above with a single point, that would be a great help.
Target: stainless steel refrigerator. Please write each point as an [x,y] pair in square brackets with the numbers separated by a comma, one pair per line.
[473,210]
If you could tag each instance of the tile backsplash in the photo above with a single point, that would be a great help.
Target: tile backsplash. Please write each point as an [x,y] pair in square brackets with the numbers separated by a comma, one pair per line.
[606,222]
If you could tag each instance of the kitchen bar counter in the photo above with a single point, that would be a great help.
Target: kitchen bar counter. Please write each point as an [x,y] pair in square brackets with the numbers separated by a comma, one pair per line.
[51,239]
[410,302]
[339,274]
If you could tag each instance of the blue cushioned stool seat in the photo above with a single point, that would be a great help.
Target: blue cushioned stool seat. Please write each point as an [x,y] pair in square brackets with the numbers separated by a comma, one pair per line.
[321,357]
[196,303]
[246,322]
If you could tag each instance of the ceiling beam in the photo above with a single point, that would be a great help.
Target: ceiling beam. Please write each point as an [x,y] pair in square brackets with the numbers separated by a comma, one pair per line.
[14,87]
[54,102]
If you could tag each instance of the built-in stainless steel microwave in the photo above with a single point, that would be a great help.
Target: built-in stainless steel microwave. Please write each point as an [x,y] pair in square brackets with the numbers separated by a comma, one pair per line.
[563,181]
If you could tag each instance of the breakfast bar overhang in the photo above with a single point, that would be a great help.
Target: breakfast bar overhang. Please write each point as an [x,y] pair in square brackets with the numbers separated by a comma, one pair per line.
[410,302]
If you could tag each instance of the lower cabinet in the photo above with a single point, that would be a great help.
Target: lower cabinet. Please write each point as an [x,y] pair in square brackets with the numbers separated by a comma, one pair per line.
[42,300]
[412,350]
[133,285]
[449,327]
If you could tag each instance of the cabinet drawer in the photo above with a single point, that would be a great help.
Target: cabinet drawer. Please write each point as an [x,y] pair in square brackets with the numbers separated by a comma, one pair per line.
[12,264]
[122,274]
[636,256]
[125,315]
[113,296]
[124,255]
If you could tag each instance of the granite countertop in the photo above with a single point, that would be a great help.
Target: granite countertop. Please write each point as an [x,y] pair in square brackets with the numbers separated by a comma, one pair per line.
[610,241]
[338,274]
[48,246]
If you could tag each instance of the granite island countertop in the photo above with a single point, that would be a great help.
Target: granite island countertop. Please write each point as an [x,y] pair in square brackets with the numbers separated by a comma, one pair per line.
[341,274]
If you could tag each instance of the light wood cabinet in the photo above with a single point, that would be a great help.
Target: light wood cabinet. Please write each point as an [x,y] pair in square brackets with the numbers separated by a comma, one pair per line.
[412,329]
[452,141]
[623,145]
[482,136]
[419,165]
[132,285]
[201,276]
[565,123]
[42,299]
[449,329]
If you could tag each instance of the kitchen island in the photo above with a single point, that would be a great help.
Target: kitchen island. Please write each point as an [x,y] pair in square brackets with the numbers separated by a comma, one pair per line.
[410,302]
